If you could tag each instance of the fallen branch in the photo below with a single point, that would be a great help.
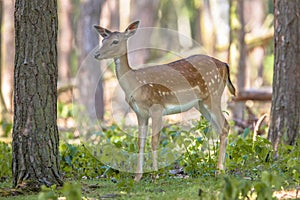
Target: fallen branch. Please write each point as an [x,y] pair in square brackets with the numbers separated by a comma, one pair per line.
[254,94]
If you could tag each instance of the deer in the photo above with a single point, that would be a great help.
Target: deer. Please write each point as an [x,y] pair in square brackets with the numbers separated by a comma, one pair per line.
[197,82]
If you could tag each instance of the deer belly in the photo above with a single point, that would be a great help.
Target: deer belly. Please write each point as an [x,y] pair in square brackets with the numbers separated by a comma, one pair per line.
[178,108]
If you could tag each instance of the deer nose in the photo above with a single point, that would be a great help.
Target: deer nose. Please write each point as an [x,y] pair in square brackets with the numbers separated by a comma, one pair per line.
[97,55]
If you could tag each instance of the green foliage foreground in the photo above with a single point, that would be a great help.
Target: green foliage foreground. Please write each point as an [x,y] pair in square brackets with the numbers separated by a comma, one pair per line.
[251,172]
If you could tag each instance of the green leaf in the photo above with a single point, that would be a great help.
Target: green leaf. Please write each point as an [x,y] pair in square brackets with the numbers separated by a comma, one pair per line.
[246,132]
[72,191]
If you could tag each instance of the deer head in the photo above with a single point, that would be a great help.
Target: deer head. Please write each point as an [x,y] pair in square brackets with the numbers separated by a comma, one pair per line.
[114,44]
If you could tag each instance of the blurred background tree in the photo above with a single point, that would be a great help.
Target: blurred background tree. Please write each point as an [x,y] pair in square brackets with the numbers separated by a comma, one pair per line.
[7,63]
[86,41]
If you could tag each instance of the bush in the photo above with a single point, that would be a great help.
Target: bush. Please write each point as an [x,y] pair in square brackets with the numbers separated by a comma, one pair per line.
[76,161]
[6,160]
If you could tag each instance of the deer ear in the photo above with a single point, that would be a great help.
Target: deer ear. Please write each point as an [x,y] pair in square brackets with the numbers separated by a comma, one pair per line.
[131,29]
[102,31]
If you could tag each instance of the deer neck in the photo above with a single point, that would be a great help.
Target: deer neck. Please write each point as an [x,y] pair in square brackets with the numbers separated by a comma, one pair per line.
[122,66]
[125,74]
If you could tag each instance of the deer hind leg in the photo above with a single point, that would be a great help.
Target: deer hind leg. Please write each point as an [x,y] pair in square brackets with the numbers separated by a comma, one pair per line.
[214,115]
[156,115]
[143,128]
[223,144]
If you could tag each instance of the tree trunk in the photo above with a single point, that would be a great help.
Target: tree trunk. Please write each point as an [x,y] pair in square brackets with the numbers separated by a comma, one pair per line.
[110,15]
[242,68]
[65,40]
[168,20]
[89,84]
[207,27]
[254,19]
[146,12]
[3,109]
[285,110]
[35,134]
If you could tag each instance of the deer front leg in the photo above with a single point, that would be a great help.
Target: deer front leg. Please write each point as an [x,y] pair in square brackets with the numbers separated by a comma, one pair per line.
[143,128]
[156,115]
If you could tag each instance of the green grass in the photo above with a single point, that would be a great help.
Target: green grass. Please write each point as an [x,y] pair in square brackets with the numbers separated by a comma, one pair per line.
[160,189]
[223,187]
[166,188]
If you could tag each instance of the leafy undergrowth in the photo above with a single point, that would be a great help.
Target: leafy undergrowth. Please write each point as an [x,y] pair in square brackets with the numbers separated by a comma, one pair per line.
[251,172]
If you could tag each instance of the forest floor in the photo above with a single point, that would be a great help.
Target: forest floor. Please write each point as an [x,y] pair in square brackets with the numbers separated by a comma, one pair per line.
[162,188]
[251,172]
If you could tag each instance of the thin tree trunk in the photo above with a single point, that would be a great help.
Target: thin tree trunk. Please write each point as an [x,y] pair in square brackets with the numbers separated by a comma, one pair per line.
[146,12]
[230,41]
[242,70]
[89,84]
[65,40]
[8,52]
[197,28]
[285,110]
[35,134]
[208,28]
[110,16]
[168,20]
[3,109]
[254,19]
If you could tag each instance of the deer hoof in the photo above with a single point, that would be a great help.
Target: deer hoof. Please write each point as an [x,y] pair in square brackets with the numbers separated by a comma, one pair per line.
[138,177]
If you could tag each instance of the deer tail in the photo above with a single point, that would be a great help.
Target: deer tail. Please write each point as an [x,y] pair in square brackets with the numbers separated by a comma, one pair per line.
[228,81]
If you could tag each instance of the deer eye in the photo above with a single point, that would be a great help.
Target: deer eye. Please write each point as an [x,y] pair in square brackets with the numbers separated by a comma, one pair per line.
[115,42]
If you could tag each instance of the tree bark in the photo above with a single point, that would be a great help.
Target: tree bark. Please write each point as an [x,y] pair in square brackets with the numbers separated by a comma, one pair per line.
[285,110]
[35,134]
